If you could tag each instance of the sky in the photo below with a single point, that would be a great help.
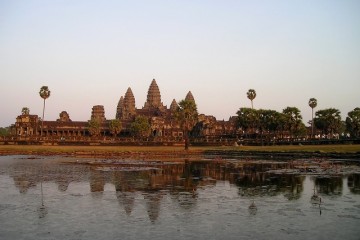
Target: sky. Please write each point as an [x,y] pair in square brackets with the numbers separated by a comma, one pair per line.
[89,52]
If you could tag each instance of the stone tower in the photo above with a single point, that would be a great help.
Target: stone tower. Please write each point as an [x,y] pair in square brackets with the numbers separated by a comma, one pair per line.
[64,117]
[120,108]
[98,113]
[128,110]
[189,97]
[153,100]
[173,106]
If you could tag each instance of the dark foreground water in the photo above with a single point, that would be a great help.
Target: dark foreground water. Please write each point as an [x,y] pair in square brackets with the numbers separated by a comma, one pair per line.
[197,200]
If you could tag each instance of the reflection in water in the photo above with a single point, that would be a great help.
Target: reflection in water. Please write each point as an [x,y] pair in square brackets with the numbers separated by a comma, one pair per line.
[354,183]
[97,181]
[208,199]
[153,200]
[42,211]
[127,200]
[329,185]
[252,178]
[254,181]
[180,180]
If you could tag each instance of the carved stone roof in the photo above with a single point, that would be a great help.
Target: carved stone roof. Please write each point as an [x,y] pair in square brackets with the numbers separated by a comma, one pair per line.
[153,97]
[189,97]
[129,104]
[98,113]
[120,107]
[173,106]
[64,117]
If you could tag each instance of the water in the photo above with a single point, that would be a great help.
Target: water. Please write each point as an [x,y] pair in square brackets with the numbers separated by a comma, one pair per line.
[154,200]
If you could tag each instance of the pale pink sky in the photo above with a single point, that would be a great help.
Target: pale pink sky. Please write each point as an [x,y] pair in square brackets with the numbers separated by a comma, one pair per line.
[90,52]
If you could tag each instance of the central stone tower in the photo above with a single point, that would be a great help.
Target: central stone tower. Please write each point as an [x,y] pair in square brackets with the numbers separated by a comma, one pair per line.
[153,100]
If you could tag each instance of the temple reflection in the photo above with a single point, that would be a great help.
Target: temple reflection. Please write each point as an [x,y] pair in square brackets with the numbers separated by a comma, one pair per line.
[177,177]
[97,181]
[126,200]
[181,181]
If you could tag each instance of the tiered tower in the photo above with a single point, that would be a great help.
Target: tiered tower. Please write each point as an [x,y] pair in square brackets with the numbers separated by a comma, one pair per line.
[98,113]
[173,106]
[129,110]
[153,100]
[189,97]
[120,108]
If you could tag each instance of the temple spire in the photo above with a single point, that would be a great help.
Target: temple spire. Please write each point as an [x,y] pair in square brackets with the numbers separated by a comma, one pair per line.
[189,97]
[120,108]
[153,99]
[129,104]
[173,106]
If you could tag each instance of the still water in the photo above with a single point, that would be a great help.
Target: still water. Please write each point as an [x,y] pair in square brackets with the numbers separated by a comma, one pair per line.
[47,198]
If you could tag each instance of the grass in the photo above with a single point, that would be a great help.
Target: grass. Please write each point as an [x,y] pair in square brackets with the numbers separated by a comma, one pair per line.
[302,148]
[28,149]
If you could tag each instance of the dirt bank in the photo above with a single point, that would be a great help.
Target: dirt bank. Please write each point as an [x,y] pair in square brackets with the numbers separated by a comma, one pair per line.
[181,154]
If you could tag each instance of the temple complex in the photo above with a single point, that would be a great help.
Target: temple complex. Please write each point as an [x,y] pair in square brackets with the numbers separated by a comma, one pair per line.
[163,124]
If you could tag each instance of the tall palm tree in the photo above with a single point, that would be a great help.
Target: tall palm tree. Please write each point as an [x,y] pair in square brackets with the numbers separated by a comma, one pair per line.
[44,94]
[187,115]
[312,104]
[251,94]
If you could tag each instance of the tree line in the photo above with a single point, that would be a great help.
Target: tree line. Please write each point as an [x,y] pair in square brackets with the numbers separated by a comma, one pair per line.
[326,122]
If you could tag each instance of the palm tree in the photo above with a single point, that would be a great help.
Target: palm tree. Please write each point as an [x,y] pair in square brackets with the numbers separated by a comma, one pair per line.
[44,94]
[312,104]
[25,111]
[251,94]
[187,115]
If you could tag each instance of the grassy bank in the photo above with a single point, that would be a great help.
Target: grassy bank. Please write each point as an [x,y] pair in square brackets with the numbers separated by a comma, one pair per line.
[48,150]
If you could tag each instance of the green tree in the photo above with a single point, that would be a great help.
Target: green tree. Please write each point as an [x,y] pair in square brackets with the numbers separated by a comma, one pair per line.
[328,121]
[44,94]
[251,94]
[312,104]
[248,119]
[293,120]
[94,126]
[187,115]
[4,131]
[269,121]
[140,127]
[25,111]
[353,122]
[115,126]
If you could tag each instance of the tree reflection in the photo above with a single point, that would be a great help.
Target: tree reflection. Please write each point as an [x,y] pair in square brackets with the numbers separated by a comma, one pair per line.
[263,183]
[329,185]
[354,183]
